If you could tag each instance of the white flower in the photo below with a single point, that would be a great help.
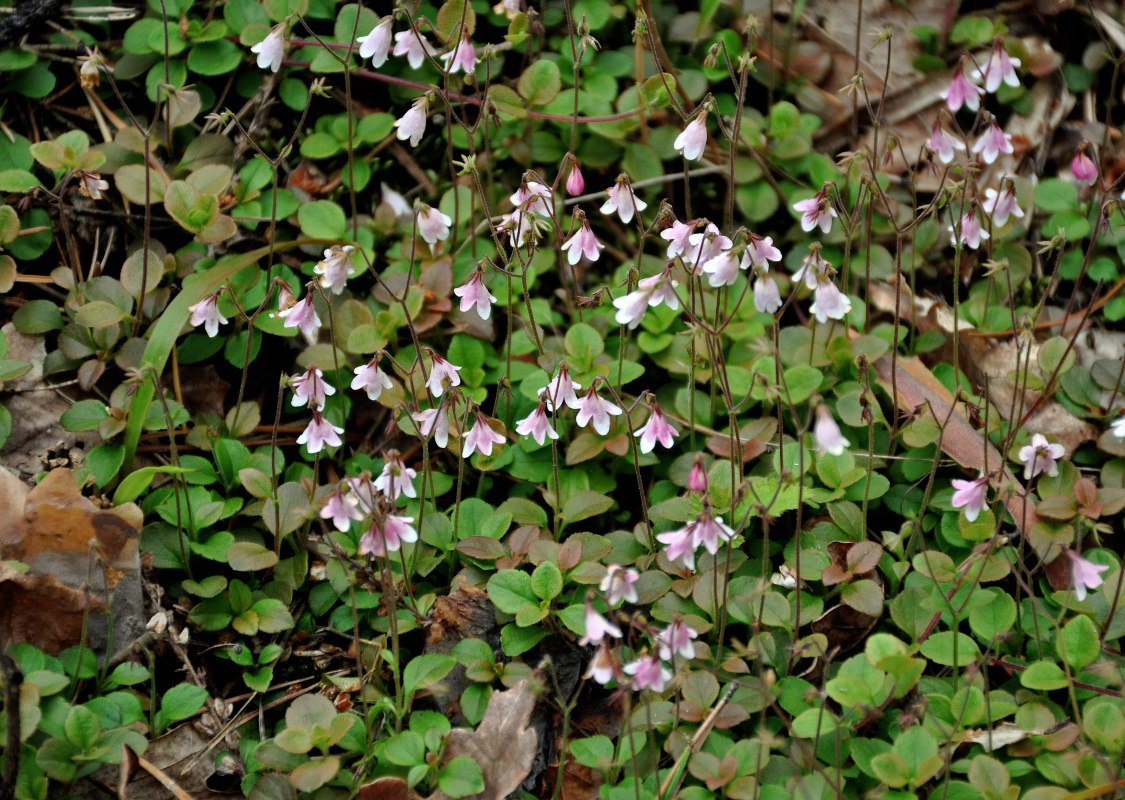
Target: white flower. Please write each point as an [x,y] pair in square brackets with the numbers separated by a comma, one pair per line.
[693,140]
[271,50]
[377,44]
[413,123]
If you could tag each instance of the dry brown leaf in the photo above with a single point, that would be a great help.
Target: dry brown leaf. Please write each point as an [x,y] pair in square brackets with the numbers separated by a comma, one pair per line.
[502,744]
[387,788]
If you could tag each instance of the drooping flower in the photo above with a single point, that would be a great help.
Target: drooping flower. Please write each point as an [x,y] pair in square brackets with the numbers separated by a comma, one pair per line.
[631,307]
[829,438]
[387,536]
[1083,166]
[597,627]
[677,237]
[480,438]
[1117,427]
[623,201]
[709,531]
[1000,68]
[271,50]
[816,210]
[462,57]
[377,44]
[1085,574]
[675,640]
[435,421]
[1040,456]
[829,302]
[651,291]
[363,493]
[704,246]
[971,496]
[412,124]
[656,429]
[678,546]
[537,425]
[697,476]
[767,296]
[310,387]
[475,293]
[396,480]
[533,197]
[285,299]
[723,269]
[340,509]
[583,242]
[943,143]
[302,315]
[619,584]
[442,373]
[1002,204]
[760,251]
[520,226]
[962,91]
[371,379]
[320,432]
[969,233]
[603,666]
[413,45]
[813,267]
[648,673]
[433,225]
[335,268]
[593,408]
[992,143]
[575,183]
[206,313]
[396,201]
[561,389]
[693,140]
[92,185]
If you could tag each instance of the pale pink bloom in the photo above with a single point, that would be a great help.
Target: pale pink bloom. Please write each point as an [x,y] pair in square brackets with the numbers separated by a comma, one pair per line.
[340,510]
[1001,205]
[302,315]
[413,45]
[561,389]
[697,477]
[533,197]
[310,387]
[708,531]
[441,373]
[412,124]
[693,140]
[1083,166]
[829,302]
[971,496]
[961,91]
[816,210]
[619,584]
[396,201]
[435,421]
[363,493]
[387,537]
[992,143]
[656,429]
[677,237]
[704,246]
[648,673]
[475,293]
[1001,68]
[943,143]
[371,379]
[760,251]
[593,407]
[335,267]
[433,225]
[679,546]
[1085,574]
[1041,456]
[271,50]
[582,243]
[91,185]
[602,666]
[631,307]
[829,438]
[480,438]
[462,57]
[575,183]
[396,480]
[722,270]
[206,313]
[623,201]
[520,225]
[662,289]
[597,627]
[537,425]
[813,267]
[377,44]
[676,640]
[767,297]
[970,233]
[320,432]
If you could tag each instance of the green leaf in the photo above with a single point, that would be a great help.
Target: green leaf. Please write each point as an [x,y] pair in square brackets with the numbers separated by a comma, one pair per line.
[425,671]
[5,425]
[104,462]
[583,345]
[322,219]
[250,556]
[314,773]
[17,181]
[1055,195]
[85,415]
[540,83]
[584,505]
[891,769]
[547,581]
[950,649]
[510,590]
[1079,642]
[405,749]
[57,759]
[461,777]
[273,616]
[130,180]
[179,702]
[82,727]
[38,316]
[515,640]
[98,314]
[1044,676]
